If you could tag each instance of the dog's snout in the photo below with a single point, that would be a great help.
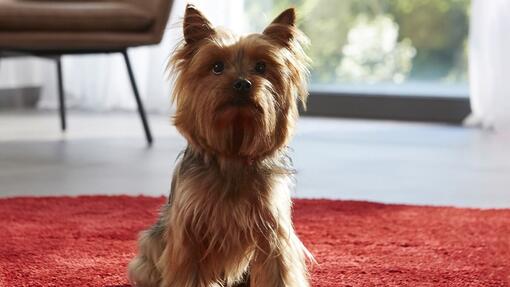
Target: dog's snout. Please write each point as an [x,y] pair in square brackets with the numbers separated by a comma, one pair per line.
[242,85]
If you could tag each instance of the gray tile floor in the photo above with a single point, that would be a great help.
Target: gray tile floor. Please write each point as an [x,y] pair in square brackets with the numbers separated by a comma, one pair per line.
[380,161]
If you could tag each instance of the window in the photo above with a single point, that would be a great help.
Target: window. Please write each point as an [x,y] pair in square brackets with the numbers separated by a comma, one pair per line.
[396,47]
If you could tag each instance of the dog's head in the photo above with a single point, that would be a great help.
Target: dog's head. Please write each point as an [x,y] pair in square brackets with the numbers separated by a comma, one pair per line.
[237,96]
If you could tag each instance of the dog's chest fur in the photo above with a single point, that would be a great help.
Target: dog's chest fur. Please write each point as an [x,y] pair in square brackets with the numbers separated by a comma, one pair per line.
[229,209]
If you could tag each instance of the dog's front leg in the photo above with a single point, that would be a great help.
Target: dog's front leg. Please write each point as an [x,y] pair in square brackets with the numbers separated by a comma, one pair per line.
[182,267]
[280,265]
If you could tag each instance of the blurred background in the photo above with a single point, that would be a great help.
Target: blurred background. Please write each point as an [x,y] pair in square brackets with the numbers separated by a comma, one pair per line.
[409,100]
[373,44]
[405,48]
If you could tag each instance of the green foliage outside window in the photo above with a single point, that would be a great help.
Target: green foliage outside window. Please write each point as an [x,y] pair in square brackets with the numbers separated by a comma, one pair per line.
[386,41]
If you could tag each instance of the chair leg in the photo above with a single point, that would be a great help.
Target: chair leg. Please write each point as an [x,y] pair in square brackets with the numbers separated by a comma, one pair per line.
[61,98]
[139,103]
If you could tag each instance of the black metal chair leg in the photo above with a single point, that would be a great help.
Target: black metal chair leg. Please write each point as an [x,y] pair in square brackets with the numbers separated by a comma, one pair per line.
[61,98]
[139,103]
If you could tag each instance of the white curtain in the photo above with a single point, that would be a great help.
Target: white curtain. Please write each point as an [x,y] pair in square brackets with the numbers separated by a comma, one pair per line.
[100,82]
[489,62]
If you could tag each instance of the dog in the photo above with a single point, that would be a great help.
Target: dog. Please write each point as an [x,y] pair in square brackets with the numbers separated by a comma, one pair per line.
[228,217]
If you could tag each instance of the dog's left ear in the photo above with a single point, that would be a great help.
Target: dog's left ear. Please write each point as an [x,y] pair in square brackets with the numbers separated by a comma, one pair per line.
[281,29]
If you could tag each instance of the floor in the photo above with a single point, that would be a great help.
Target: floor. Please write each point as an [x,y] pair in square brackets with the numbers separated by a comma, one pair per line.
[381,161]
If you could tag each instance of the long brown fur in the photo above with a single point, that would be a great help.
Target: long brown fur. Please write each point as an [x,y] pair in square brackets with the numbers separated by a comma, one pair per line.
[228,217]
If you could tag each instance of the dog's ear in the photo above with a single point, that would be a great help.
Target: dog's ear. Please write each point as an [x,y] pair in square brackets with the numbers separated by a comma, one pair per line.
[287,17]
[196,26]
[281,29]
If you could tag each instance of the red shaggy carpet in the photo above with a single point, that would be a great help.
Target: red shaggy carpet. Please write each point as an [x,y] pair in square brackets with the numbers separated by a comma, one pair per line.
[88,241]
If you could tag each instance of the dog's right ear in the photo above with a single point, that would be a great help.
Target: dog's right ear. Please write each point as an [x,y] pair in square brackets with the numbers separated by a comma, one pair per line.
[196,26]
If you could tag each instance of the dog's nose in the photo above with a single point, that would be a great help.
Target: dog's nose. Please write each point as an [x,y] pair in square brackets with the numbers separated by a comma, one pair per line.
[242,85]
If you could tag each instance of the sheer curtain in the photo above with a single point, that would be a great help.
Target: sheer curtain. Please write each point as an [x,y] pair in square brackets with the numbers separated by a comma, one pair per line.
[100,82]
[489,63]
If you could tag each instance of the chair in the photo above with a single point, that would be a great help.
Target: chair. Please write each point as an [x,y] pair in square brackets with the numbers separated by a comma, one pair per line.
[53,28]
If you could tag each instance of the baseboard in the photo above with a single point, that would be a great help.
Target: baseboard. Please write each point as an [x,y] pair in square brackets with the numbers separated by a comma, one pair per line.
[19,98]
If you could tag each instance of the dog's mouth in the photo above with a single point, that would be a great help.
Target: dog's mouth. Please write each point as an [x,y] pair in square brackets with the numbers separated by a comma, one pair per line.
[244,103]
[237,112]
[241,102]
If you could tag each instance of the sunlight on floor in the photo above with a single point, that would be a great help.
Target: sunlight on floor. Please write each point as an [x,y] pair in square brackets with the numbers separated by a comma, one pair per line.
[340,159]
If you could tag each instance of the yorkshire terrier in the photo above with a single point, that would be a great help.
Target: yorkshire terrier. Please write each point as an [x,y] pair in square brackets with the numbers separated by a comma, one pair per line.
[228,217]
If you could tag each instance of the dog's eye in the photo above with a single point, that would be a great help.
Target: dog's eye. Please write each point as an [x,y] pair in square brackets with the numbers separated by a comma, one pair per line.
[260,68]
[218,68]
